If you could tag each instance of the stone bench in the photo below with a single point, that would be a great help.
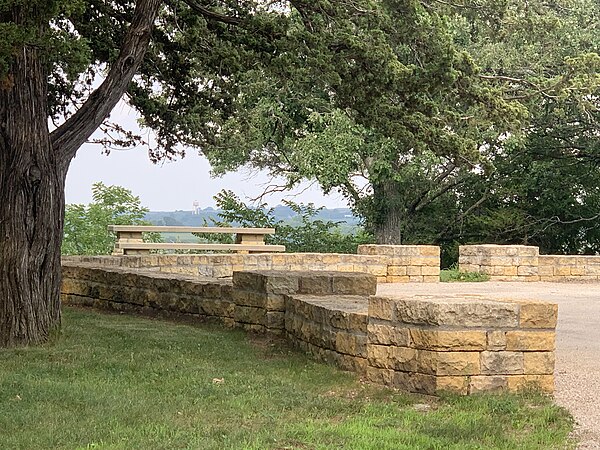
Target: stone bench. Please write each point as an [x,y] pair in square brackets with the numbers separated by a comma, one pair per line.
[247,240]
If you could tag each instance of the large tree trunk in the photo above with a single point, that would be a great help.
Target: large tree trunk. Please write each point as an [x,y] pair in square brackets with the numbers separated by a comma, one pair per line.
[31,205]
[389,218]
[33,167]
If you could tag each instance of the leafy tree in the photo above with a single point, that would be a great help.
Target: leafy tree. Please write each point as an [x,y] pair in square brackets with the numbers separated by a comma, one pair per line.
[452,169]
[86,231]
[305,233]
[195,65]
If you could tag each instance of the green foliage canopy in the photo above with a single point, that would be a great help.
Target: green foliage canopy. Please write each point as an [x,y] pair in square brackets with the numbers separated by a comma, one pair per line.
[86,231]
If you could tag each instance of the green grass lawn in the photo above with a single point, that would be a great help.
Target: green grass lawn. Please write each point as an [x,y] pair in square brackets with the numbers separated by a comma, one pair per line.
[119,382]
[454,275]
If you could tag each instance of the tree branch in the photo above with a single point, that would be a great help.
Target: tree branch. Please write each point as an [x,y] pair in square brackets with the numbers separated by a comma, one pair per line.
[212,14]
[71,135]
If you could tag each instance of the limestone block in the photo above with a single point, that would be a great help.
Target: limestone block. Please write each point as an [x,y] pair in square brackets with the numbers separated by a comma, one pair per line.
[469,268]
[281,283]
[380,376]
[456,311]
[413,270]
[592,269]
[351,363]
[275,319]
[527,270]
[351,344]
[398,279]
[431,261]
[397,270]
[545,271]
[415,382]
[448,363]
[494,383]
[442,340]
[388,357]
[544,383]
[381,279]
[378,270]
[250,315]
[577,270]
[530,341]
[562,270]
[212,290]
[455,385]
[275,302]
[316,284]
[430,271]
[496,340]
[354,284]
[509,271]
[381,308]
[388,335]
[538,314]
[502,363]
[431,279]
[415,279]
[215,307]
[539,363]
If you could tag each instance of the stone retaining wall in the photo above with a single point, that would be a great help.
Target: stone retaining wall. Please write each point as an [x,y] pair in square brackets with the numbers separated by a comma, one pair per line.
[569,268]
[430,344]
[524,263]
[389,263]
[419,343]
[501,262]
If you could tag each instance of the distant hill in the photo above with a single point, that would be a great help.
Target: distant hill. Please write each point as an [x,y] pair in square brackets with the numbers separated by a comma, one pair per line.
[281,212]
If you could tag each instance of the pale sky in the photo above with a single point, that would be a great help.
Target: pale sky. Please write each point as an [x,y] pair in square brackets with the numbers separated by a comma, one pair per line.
[172,185]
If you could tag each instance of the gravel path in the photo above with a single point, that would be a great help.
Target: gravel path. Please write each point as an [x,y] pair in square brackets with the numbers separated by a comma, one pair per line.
[577,341]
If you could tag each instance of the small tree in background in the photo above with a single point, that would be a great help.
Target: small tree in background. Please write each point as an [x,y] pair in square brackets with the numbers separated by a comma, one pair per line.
[305,233]
[86,231]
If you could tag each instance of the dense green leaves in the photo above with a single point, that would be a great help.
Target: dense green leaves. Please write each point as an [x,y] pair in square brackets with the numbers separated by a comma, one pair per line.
[86,226]
[304,233]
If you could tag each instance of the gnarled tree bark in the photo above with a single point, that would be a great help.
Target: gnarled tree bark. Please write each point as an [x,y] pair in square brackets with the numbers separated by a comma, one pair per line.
[33,168]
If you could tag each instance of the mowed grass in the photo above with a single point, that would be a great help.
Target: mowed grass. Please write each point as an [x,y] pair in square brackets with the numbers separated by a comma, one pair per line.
[452,275]
[120,382]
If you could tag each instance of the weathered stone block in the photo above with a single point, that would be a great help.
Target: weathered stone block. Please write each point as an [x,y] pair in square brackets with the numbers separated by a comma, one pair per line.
[539,363]
[494,383]
[502,363]
[381,308]
[538,315]
[317,284]
[351,344]
[354,284]
[442,340]
[380,376]
[544,383]
[275,319]
[430,271]
[397,271]
[250,315]
[448,363]
[455,385]
[388,335]
[456,311]
[496,340]
[431,279]
[413,270]
[527,270]
[530,341]
[398,279]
